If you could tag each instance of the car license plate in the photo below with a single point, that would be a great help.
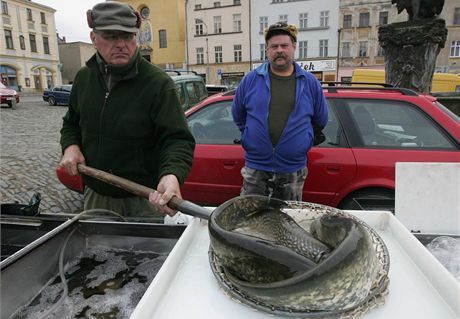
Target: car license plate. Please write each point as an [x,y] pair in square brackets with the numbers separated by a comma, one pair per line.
[9,98]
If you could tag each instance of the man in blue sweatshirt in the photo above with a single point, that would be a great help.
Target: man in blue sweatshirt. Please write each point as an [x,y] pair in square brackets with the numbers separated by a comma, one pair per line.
[277,107]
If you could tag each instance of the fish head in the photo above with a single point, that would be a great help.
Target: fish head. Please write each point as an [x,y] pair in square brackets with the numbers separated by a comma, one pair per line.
[331,229]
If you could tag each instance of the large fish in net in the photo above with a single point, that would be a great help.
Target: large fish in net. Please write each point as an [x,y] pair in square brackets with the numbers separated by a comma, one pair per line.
[296,258]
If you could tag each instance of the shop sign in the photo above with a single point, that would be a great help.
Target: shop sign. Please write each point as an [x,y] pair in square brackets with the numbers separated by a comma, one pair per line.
[313,66]
[318,66]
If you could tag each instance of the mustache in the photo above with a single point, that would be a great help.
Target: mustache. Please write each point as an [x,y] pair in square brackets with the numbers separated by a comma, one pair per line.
[280,55]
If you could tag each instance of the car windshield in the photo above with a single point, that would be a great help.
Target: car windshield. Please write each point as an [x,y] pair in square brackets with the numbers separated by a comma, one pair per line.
[67,88]
[2,86]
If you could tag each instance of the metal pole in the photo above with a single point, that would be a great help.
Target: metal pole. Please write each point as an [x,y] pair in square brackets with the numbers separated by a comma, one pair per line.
[186,37]
[338,55]
[207,57]
[207,49]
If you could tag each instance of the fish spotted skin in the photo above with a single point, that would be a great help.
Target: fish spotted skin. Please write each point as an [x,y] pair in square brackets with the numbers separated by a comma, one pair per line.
[274,225]
[256,259]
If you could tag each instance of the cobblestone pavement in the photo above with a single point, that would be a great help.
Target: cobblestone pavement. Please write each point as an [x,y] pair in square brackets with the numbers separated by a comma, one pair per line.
[29,154]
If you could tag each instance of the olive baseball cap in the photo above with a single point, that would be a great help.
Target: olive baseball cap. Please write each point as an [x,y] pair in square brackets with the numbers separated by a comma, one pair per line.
[281,28]
[112,15]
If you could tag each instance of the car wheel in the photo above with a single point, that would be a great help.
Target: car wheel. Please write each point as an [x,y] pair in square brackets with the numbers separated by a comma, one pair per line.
[51,101]
[372,199]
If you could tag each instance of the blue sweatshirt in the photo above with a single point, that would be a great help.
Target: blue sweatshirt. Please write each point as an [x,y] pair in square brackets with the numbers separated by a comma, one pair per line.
[250,112]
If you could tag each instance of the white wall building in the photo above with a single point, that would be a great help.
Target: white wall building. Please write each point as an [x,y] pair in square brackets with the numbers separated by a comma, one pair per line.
[449,58]
[218,39]
[29,56]
[317,21]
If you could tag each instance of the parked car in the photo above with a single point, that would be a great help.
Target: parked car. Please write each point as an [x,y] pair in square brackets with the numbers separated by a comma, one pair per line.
[214,88]
[190,87]
[8,95]
[368,132]
[58,95]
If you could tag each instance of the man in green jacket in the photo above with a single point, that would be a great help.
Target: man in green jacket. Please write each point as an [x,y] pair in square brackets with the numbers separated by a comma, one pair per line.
[124,117]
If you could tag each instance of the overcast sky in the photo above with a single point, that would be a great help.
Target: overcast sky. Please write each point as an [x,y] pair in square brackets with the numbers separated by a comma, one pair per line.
[70,18]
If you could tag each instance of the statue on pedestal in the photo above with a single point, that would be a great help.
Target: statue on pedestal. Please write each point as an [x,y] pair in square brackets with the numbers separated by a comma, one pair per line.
[411,47]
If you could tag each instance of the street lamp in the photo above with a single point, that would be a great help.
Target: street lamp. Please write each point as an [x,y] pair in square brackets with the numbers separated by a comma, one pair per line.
[207,49]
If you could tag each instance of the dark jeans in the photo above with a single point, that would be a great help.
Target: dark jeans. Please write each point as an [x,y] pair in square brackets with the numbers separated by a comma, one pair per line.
[285,186]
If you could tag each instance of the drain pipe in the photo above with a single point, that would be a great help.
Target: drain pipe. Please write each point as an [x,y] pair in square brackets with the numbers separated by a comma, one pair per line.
[250,37]
[186,36]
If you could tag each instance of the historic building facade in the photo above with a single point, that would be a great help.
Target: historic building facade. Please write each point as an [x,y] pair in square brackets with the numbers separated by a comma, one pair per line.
[221,40]
[162,33]
[359,21]
[218,39]
[449,58]
[29,57]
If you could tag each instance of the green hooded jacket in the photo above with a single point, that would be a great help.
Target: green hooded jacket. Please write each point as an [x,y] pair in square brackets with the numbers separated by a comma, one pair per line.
[137,130]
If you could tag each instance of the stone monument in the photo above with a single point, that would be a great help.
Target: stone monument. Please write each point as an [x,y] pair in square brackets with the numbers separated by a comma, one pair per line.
[411,47]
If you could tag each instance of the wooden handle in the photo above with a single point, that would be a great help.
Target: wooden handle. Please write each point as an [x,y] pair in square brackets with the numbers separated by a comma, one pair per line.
[123,183]
[175,203]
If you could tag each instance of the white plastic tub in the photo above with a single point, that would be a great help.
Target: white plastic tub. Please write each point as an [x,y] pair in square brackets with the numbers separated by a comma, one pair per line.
[185,287]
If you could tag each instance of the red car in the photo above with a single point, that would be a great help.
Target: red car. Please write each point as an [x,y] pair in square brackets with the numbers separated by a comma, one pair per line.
[8,95]
[369,130]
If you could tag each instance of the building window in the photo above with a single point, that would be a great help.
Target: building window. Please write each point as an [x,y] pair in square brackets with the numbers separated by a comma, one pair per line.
[303,46]
[379,51]
[456,16]
[455,49]
[199,27]
[46,45]
[5,7]
[163,39]
[29,15]
[347,21]
[362,48]
[323,48]
[263,24]
[383,18]
[199,56]
[236,2]
[33,43]
[364,19]
[197,6]
[324,19]
[283,18]
[9,39]
[217,24]
[303,20]
[346,50]
[22,42]
[42,18]
[237,23]
[237,53]
[217,4]
[218,54]
[263,52]
[145,12]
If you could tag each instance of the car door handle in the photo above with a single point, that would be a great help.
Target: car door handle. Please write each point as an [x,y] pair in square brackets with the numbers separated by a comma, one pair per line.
[229,164]
[333,169]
